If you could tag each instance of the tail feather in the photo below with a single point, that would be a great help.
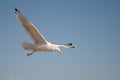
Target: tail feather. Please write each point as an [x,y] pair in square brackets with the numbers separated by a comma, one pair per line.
[28,46]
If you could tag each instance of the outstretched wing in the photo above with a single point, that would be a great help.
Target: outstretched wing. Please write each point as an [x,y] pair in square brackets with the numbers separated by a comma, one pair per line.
[30,28]
[69,45]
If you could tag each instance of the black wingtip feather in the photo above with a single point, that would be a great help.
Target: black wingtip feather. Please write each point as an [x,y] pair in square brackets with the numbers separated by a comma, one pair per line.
[69,43]
[16,10]
[73,46]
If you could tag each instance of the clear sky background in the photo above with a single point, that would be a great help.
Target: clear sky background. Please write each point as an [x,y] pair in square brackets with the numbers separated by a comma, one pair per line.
[92,25]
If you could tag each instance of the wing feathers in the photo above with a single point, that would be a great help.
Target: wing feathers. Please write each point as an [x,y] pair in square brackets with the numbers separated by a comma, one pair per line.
[69,45]
[30,28]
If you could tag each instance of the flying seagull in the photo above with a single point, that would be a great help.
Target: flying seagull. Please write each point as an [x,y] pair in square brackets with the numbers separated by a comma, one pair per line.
[41,44]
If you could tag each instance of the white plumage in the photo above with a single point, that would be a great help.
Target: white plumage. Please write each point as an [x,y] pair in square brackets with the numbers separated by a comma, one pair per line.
[41,44]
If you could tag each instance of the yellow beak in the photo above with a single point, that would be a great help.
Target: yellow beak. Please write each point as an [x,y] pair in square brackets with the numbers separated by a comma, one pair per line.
[60,52]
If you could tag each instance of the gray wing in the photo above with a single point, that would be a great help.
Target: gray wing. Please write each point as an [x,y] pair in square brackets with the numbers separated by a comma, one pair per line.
[30,28]
[69,45]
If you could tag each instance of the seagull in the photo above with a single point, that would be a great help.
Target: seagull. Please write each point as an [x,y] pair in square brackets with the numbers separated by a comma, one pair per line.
[40,43]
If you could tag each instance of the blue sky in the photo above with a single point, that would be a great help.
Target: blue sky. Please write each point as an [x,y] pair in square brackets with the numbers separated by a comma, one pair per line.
[92,25]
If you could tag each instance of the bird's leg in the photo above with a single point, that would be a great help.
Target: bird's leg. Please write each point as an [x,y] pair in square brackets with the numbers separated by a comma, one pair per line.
[30,53]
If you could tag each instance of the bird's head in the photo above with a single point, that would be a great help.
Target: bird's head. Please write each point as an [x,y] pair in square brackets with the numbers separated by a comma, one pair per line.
[58,49]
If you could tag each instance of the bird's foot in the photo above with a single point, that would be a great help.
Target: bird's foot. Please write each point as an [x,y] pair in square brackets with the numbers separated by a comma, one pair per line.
[30,53]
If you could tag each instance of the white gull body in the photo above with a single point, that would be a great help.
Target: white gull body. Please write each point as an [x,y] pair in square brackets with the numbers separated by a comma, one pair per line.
[41,44]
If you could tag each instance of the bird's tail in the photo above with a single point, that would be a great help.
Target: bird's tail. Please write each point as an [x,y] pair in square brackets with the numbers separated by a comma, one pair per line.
[28,46]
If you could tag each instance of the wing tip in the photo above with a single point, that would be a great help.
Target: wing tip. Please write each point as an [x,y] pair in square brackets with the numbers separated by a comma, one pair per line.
[73,47]
[69,45]
[16,10]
